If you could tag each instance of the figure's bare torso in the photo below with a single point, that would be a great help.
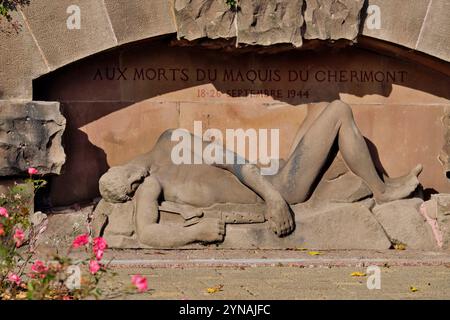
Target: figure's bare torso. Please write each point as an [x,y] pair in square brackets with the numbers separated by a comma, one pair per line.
[203,186]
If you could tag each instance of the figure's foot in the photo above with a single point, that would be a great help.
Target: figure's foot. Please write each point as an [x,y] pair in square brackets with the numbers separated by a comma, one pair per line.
[280,217]
[209,230]
[400,188]
[404,179]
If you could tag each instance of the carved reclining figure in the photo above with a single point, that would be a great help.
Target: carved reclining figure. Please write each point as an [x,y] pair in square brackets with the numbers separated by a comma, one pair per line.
[233,193]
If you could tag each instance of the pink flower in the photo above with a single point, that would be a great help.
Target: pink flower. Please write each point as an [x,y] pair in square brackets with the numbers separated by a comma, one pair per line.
[14,278]
[140,282]
[39,267]
[99,247]
[32,171]
[3,212]
[100,243]
[19,237]
[99,254]
[94,266]
[80,241]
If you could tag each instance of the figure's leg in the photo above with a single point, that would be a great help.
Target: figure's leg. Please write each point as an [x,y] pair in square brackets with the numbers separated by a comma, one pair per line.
[313,112]
[153,234]
[336,121]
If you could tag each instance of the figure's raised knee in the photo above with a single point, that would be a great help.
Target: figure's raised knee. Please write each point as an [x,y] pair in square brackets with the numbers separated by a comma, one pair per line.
[341,109]
[166,135]
[164,143]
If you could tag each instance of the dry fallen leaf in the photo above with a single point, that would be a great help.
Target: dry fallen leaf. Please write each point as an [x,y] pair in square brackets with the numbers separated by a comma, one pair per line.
[215,289]
[399,246]
[314,253]
[21,296]
[300,249]
[413,289]
[358,274]
[5,296]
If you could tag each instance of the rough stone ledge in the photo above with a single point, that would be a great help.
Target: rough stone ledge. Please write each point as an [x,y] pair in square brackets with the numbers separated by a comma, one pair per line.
[30,136]
[309,262]
[267,22]
[207,257]
[344,226]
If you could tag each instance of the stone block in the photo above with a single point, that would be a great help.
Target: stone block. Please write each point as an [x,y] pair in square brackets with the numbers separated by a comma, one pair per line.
[267,22]
[437,209]
[434,38]
[332,19]
[141,19]
[61,229]
[204,18]
[120,232]
[404,224]
[341,226]
[61,45]
[20,61]
[30,136]
[401,21]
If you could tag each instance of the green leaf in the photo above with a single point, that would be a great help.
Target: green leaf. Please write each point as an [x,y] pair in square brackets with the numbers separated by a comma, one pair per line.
[3,10]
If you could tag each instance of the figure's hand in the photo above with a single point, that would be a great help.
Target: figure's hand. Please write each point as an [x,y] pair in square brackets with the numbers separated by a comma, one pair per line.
[209,230]
[280,217]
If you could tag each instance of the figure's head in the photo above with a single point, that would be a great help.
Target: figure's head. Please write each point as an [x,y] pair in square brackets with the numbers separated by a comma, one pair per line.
[119,184]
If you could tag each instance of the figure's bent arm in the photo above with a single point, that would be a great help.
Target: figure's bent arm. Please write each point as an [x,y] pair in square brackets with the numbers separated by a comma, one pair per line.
[149,231]
[153,234]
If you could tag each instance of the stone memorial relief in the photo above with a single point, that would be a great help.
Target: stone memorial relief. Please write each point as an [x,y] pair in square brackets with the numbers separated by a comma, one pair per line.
[207,197]
[174,139]
[344,145]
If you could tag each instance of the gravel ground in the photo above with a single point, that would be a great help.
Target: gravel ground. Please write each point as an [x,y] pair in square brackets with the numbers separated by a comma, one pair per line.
[281,274]
[273,283]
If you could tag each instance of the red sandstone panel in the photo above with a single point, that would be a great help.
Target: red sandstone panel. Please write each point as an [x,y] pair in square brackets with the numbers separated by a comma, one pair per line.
[114,113]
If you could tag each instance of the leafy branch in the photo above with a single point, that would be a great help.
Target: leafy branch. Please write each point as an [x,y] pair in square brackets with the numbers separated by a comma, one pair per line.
[7,7]
[232,4]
